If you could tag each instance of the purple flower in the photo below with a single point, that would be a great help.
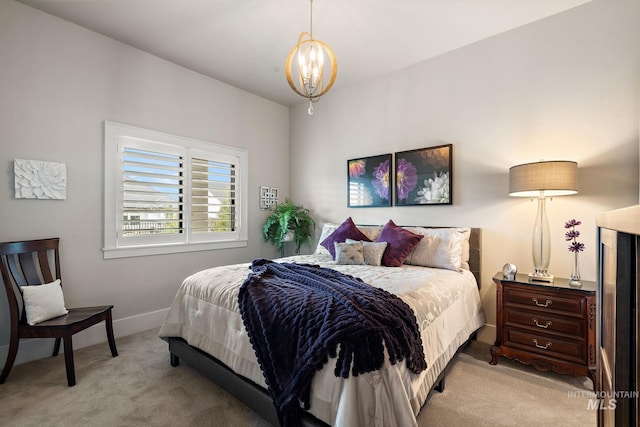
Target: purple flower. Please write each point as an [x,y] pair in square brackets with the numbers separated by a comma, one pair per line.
[380,179]
[576,247]
[572,235]
[572,223]
[406,178]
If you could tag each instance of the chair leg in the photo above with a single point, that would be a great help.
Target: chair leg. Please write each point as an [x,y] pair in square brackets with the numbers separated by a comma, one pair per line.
[112,342]
[56,348]
[11,357]
[68,360]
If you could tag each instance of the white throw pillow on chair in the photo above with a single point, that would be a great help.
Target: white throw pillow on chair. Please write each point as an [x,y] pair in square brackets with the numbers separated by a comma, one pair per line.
[43,302]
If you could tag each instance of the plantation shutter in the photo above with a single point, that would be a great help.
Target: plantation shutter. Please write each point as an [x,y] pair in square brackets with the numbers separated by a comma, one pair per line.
[152,201]
[213,196]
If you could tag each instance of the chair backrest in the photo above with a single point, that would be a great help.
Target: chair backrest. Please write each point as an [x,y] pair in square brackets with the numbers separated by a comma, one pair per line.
[27,263]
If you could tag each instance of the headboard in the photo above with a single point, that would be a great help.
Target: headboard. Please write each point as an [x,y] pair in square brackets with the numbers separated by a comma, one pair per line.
[475,254]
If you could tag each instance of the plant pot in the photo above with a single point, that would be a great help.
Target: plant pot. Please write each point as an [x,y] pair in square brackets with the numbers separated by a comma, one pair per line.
[288,237]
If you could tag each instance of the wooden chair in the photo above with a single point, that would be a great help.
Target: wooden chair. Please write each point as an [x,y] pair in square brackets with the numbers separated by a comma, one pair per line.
[28,263]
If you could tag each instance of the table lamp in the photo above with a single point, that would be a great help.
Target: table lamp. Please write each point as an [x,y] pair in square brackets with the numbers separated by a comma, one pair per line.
[542,179]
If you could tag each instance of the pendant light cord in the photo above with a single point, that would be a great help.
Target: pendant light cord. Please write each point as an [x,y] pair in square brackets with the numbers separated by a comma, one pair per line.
[311,19]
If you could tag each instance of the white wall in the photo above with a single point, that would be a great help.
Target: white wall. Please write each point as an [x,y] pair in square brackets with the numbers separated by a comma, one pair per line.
[564,88]
[58,83]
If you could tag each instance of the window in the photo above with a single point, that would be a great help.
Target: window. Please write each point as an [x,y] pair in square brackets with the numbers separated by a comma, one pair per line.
[166,194]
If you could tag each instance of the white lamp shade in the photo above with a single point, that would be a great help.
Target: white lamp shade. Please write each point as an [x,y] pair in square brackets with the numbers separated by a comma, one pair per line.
[543,179]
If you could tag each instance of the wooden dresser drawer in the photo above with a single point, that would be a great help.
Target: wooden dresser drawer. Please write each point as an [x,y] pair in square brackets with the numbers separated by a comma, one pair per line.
[543,322]
[572,351]
[550,326]
[545,300]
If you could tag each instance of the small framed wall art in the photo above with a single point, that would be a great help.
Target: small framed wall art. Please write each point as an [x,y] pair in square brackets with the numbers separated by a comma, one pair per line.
[34,179]
[423,176]
[369,181]
[268,198]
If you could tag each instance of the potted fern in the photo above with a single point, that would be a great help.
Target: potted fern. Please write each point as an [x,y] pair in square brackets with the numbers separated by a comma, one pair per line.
[288,222]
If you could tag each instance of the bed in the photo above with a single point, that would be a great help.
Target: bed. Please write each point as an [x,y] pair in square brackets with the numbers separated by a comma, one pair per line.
[204,328]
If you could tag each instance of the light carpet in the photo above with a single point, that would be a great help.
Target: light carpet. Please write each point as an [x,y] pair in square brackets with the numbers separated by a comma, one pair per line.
[140,388]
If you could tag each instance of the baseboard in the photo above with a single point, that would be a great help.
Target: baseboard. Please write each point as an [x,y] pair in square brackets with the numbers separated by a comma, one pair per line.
[487,334]
[33,349]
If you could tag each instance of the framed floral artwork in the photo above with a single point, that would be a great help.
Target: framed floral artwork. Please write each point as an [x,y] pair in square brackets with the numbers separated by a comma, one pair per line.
[369,181]
[423,176]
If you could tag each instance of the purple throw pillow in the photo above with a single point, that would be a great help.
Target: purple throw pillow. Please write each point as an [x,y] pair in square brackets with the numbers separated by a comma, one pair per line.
[346,230]
[400,243]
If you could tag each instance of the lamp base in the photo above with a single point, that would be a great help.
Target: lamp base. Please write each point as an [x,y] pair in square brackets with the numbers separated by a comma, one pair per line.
[541,277]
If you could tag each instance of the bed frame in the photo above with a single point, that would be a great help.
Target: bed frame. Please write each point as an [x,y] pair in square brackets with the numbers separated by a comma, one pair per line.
[256,397]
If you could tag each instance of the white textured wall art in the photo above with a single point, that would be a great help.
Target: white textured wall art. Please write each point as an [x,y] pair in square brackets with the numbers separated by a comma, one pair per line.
[40,180]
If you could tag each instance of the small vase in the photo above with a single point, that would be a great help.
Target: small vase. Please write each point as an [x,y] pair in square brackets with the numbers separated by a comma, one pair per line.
[574,279]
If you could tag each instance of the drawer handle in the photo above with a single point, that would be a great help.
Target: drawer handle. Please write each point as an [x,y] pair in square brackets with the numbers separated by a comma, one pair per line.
[544,347]
[545,326]
[547,303]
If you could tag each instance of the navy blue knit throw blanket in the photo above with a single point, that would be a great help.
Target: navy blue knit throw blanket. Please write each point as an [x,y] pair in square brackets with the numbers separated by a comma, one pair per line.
[297,315]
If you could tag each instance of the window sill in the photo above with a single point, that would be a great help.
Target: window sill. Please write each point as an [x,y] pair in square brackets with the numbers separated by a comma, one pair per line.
[134,251]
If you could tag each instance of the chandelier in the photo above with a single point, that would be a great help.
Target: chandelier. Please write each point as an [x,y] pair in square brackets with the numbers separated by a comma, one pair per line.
[309,55]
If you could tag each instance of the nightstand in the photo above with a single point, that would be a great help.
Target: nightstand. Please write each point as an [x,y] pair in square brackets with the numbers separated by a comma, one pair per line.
[550,326]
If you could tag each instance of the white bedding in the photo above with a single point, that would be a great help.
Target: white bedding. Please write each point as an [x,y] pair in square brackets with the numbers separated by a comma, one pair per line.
[447,306]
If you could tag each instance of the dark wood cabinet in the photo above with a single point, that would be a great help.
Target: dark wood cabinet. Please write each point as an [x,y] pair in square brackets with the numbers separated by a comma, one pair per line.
[550,326]
[618,321]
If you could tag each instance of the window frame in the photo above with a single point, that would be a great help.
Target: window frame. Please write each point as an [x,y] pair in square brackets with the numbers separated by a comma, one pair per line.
[118,135]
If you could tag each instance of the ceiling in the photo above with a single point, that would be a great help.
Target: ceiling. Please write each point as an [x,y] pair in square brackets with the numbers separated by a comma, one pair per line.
[244,43]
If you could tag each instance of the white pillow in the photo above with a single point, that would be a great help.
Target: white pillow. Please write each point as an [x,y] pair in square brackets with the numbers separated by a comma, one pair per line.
[440,247]
[371,231]
[43,302]
[327,229]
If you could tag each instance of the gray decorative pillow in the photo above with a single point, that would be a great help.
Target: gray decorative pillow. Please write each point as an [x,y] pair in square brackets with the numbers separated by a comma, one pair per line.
[372,252]
[349,253]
